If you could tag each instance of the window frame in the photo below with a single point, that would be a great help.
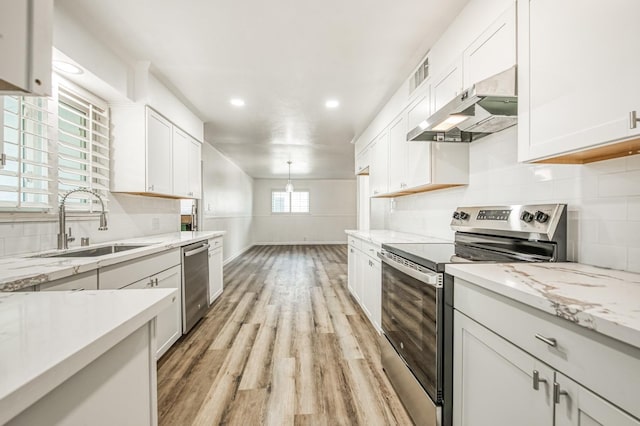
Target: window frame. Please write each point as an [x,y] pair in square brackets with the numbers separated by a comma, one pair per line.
[289,212]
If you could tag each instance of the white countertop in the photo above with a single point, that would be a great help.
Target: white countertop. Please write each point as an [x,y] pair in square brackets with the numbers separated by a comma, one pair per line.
[384,236]
[47,337]
[604,300]
[17,272]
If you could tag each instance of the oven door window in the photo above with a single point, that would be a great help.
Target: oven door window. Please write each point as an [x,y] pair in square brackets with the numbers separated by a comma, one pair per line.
[409,320]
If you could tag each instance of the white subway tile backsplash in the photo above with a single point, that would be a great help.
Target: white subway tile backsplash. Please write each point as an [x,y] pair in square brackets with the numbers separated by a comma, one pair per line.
[606,256]
[619,184]
[633,259]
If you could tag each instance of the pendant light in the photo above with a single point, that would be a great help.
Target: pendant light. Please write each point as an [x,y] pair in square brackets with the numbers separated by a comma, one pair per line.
[289,185]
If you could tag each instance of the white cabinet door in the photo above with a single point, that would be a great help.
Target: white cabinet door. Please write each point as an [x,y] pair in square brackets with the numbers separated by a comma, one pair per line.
[493,52]
[181,147]
[194,169]
[373,292]
[361,261]
[215,270]
[362,160]
[398,146]
[577,82]
[26,33]
[419,153]
[351,271]
[580,407]
[159,165]
[447,87]
[169,321]
[379,168]
[494,380]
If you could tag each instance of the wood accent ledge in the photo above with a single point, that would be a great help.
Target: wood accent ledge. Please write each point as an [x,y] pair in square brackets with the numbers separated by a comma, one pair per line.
[599,153]
[418,189]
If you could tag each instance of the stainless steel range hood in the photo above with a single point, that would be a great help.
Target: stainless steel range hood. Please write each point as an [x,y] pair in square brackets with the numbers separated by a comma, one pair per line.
[490,106]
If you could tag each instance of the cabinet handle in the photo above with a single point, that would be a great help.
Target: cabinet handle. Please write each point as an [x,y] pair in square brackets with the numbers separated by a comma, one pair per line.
[370,263]
[3,160]
[633,119]
[351,250]
[537,380]
[548,340]
[156,282]
[78,289]
[151,188]
[557,393]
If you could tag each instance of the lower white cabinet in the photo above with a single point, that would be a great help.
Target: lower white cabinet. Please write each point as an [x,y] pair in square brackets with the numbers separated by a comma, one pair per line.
[86,281]
[215,269]
[364,279]
[497,382]
[169,321]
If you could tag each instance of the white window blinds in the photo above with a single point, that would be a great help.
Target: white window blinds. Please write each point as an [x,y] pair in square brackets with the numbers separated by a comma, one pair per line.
[83,148]
[27,127]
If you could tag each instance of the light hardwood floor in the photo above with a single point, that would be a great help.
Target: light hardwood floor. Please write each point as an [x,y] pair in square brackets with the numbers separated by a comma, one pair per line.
[285,344]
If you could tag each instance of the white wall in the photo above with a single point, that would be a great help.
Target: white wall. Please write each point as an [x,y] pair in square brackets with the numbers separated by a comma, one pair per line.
[227,203]
[332,205]
[603,200]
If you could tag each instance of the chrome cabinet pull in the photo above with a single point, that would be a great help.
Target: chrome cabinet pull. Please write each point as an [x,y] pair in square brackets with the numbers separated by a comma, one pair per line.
[78,289]
[548,340]
[537,380]
[633,119]
[557,393]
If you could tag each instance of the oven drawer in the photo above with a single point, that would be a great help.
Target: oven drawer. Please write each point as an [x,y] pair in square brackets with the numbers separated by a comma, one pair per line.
[604,365]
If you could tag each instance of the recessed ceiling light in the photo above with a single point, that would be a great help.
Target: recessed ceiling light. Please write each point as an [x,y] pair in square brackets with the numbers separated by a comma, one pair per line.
[332,103]
[237,102]
[67,67]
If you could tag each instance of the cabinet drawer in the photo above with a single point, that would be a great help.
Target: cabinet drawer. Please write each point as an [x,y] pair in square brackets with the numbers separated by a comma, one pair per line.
[123,274]
[215,243]
[370,249]
[354,242]
[86,281]
[604,365]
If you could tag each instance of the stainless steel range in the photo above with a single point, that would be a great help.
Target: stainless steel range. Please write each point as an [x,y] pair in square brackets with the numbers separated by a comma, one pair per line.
[417,296]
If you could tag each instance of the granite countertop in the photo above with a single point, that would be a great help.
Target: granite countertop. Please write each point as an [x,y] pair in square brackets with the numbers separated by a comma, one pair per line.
[604,300]
[384,236]
[43,342]
[22,271]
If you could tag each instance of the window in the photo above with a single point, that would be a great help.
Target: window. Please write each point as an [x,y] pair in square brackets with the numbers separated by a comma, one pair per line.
[290,202]
[53,145]
[83,149]
[28,132]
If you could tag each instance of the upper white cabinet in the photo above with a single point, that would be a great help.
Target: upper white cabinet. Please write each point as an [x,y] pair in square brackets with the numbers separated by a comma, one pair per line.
[418,164]
[447,86]
[578,80]
[379,165]
[26,28]
[493,52]
[159,168]
[363,159]
[153,156]
[398,154]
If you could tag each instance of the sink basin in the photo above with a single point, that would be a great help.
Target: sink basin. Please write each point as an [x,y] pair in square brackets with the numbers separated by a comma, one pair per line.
[96,251]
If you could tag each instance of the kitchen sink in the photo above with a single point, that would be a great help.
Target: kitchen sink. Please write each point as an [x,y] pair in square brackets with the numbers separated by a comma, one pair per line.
[96,251]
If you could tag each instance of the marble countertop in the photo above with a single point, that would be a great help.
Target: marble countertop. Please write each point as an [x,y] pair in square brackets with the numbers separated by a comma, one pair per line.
[47,337]
[384,236]
[17,272]
[604,300]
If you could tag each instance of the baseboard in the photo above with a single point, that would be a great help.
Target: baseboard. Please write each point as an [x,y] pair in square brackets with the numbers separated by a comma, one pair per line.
[300,243]
[240,253]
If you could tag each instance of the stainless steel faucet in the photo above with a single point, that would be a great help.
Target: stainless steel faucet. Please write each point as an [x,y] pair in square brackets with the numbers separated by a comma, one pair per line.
[63,237]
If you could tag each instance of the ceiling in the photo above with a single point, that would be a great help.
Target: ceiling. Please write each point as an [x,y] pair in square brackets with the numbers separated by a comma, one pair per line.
[285,58]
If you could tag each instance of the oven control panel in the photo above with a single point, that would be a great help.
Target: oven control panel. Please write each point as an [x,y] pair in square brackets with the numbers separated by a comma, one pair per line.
[539,221]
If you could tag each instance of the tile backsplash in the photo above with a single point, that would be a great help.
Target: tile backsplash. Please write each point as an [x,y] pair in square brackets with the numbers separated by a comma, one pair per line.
[129,216]
[603,200]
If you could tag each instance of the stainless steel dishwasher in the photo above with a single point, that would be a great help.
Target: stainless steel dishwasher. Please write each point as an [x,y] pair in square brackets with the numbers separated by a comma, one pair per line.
[195,283]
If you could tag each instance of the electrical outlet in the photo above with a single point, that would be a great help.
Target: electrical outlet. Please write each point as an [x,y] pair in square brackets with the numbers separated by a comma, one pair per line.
[155,224]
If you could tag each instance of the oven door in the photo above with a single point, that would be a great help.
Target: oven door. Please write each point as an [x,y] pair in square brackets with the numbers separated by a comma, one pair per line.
[412,309]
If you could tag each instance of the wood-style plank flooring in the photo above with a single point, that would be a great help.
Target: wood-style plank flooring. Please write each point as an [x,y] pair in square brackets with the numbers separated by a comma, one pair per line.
[284,345]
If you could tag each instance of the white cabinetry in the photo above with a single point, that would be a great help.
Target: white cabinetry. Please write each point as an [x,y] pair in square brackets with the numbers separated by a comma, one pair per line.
[418,166]
[505,373]
[362,161]
[398,146]
[379,165]
[216,278]
[447,86]
[364,278]
[26,29]
[169,321]
[151,155]
[493,52]
[86,281]
[577,83]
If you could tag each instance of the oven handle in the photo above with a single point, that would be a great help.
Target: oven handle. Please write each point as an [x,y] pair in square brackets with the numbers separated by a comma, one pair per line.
[431,278]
